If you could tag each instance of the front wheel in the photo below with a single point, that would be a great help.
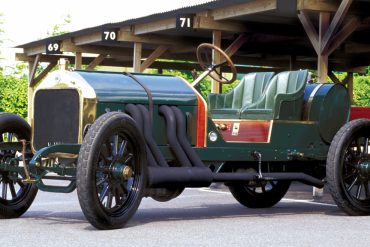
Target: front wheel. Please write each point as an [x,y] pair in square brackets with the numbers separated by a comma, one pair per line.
[348,168]
[15,196]
[111,171]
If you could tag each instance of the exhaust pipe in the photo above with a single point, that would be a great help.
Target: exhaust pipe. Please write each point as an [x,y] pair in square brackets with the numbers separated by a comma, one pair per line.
[133,111]
[149,137]
[182,138]
[171,136]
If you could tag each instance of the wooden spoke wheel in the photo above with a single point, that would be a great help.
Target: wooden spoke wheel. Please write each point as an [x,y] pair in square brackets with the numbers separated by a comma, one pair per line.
[348,168]
[15,196]
[111,172]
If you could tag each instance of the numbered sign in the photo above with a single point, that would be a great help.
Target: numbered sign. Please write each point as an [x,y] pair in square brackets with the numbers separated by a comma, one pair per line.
[184,21]
[53,47]
[109,35]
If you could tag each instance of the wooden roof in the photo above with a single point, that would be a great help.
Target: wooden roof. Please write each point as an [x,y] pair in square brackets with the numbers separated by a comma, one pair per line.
[283,34]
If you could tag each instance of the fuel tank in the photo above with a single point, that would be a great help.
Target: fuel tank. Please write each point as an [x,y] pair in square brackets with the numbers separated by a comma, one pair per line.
[327,104]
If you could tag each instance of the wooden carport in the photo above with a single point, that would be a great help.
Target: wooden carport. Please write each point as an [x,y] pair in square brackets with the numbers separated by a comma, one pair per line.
[323,35]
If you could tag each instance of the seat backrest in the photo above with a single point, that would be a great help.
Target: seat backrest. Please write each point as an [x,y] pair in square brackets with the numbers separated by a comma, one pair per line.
[288,82]
[249,89]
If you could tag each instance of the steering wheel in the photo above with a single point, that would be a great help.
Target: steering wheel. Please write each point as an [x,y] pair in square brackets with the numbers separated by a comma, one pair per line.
[204,56]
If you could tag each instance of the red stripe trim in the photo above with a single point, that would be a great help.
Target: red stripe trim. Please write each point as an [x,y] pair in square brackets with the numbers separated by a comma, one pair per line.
[201,122]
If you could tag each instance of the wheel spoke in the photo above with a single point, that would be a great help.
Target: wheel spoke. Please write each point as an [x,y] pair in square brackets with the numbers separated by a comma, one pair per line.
[20,183]
[353,183]
[100,181]
[366,186]
[117,196]
[10,137]
[366,145]
[122,149]
[359,189]
[108,147]
[263,189]
[129,157]
[358,146]
[109,200]
[5,190]
[104,192]
[12,190]
[353,173]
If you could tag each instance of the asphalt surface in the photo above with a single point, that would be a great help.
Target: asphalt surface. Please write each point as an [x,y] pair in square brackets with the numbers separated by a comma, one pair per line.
[199,217]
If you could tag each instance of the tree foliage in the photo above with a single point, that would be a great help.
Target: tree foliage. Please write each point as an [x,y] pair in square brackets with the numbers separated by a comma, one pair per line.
[361,91]
[13,91]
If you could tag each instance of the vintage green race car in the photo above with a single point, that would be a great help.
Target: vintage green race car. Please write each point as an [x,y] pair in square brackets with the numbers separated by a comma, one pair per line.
[118,137]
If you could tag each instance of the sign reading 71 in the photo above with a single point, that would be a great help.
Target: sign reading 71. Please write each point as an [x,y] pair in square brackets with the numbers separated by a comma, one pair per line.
[184,21]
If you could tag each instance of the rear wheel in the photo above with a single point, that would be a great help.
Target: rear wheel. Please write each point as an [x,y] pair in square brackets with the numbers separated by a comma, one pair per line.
[111,171]
[15,196]
[259,194]
[348,168]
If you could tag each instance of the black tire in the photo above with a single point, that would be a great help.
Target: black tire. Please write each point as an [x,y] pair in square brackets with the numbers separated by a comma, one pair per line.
[347,168]
[102,153]
[263,194]
[15,196]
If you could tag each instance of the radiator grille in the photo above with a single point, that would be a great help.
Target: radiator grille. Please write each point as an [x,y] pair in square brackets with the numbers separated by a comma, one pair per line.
[56,117]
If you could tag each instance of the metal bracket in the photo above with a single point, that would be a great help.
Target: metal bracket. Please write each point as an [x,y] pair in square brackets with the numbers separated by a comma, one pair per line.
[258,157]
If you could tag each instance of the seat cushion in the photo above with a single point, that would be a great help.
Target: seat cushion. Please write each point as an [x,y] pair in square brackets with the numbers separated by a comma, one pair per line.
[263,114]
[249,90]
[225,113]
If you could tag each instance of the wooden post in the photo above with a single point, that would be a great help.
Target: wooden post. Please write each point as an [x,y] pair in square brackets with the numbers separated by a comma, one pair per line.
[350,86]
[137,57]
[78,60]
[322,60]
[30,90]
[32,67]
[216,36]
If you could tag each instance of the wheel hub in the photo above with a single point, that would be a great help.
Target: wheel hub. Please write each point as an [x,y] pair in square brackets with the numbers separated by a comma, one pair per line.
[121,171]
[364,168]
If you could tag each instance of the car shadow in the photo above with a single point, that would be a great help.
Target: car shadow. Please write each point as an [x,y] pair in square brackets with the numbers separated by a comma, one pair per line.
[146,215]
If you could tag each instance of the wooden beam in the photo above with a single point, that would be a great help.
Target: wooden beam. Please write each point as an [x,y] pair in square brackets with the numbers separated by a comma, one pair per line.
[156,54]
[128,36]
[352,48]
[32,51]
[137,57]
[310,30]
[208,23]
[317,5]
[323,59]
[334,78]
[252,7]
[78,60]
[350,86]
[33,70]
[335,24]
[237,43]
[96,62]
[87,39]
[44,72]
[216,59]
[342,35]
[155,26]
